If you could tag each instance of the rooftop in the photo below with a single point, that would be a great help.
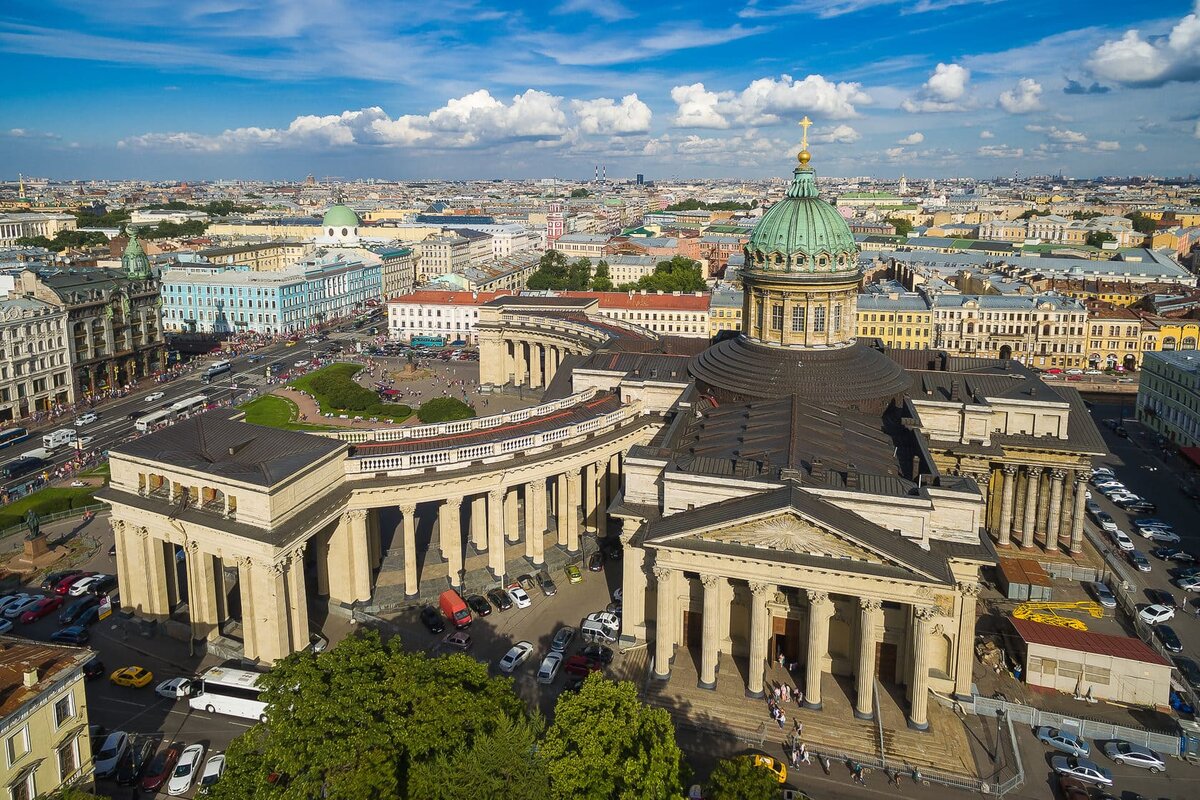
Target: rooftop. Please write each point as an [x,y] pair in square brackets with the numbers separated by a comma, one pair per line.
[51,662]
[1103,644]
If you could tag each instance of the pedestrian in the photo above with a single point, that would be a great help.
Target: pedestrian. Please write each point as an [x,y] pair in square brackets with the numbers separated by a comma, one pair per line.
[782,719]
[785,693]
[893,778]
[858,774]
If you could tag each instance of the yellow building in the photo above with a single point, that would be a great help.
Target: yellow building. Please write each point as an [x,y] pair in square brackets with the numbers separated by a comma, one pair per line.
[1160,334]
[264,257]
[901,321]
[1114,338]
[1042,331]
[725,310]
[43,718]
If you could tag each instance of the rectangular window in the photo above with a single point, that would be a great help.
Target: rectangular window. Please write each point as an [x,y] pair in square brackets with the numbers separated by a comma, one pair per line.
[837,318]
[23,788]
[777,317]
[798,318]
[64,709]
[18,745]
[819,319]
[68,759]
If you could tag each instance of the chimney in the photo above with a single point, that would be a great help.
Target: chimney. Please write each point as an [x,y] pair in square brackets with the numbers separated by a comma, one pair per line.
[916,467]
[31,678]
[818,470]
[955,391]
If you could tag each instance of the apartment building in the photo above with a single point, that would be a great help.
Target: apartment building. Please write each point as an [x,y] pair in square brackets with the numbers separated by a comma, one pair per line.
[901,320]
[1114,337]
[1042,331]
[1168,399]
[35,357]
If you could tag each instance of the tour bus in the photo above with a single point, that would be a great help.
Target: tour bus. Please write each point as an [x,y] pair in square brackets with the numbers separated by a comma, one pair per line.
[58,438]
[188,405]
[150,420]
[21,466]
[12,435]
[229,691]
[219,368]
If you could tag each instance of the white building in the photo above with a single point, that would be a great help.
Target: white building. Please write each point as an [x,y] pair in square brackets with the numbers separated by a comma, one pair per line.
[507,238]
[35,362]
[153,216]
[574,245]
[450,316]
[16,226]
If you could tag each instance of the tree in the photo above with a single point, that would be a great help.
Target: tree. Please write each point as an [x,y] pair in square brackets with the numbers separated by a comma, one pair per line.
[1082,215]
[1098,238]
[602,278]
[1142,224]
[739,779]
[444,409]
[1034,212]
[501,763]
[699,205]
[551,272]
[174,230]
[579,275]
[605,743]
[35,241]
[110,219]
[680,274]
[580,193]
[903,226]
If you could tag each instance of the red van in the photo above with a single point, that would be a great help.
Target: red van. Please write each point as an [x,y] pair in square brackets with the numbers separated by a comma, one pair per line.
[455,609]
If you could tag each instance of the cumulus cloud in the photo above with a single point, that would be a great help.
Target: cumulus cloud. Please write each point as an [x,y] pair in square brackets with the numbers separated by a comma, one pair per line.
[915,137]
[1022,98]
[1101,144]
[1000,151]
[840,134]
[1141,148]
[944,91]
[986,135]
[605,116]
[1135,61]
[766,101]
[1075,87]
[1059,135]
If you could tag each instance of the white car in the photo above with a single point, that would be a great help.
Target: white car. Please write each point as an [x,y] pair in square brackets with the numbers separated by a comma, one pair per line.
[519,597]
[111,753]
[515,657]
[1107,483]
[1123,752]
[186,769]
[1153,615]
[83,441]
[80,587]
[150,398]
[300,364]
[174,688]
[213,770]
[1121,539]
[605,618]
[11,600]
[548,671]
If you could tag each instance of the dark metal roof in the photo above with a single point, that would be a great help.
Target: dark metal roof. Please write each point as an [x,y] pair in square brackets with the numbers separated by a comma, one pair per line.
[215,444]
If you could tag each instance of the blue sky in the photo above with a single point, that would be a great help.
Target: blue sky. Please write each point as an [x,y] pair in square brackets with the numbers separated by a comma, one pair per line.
[462,89]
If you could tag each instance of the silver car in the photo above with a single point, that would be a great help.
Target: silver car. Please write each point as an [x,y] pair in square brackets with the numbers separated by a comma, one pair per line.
[562,639]
[1103,594]
[1122,752]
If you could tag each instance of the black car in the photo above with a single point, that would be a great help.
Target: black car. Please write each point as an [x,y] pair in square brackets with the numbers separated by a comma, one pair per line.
[596,562]
[546,584]
[55,577]
[479,604]
[104,585]
[1141,507]
[94,668]
[137,757]
[500,599]
[1161,597]
[1190,671]
[431,618]
[76,609]
[1168,638]
[1173,554]
[598,653]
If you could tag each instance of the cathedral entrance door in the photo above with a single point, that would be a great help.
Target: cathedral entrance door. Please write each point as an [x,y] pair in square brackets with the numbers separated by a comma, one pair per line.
[693,628]
[786,639]
[885,661]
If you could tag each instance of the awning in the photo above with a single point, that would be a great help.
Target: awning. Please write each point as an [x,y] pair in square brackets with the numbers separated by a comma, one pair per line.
[1192,454]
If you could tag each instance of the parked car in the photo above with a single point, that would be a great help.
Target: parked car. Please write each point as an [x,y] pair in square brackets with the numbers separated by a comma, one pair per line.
[1122,752]
[111,753]
[515,657]
[93,669]
[597,653]
[548,671]
[1139,561]
[458,640]
[82,585]
[431,618]
[1062,740]
[1121,539]
[1161,597]
[1169,639]
[1142,506]
[546,584]
[54,578]
[1161,535]
[1081,769]
[500,599]
[518,596]
[479,605]
[42,608]
[73,611]
[562,639]
[574,575]
[1189,583]
[1103,594]
[581,665]
[1173,554]
[1106,522]
[611,547]
[596,562]
[137,758]
[1190,671]
[15,610]
[64,586]
[1156,614]
[134,677]
[186,769]
[1073,789]
[161,767]
[213,770]
[9,600]
[174,688]
[73,634]
[104,584]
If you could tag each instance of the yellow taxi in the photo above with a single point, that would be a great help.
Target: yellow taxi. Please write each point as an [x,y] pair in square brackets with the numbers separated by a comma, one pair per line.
[773,764]
[136,677]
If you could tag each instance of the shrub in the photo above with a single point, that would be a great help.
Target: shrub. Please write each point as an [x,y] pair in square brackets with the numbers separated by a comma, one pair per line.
[444,409]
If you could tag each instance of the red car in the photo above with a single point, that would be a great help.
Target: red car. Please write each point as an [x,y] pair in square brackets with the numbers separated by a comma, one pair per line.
[41,608]
[64,586]
[161,767]
[581,665]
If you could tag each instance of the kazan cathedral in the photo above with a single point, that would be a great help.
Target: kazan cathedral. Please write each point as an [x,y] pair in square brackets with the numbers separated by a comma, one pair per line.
[789,495]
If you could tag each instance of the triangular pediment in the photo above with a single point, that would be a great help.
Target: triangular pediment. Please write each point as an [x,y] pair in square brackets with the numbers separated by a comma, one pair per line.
[789,532]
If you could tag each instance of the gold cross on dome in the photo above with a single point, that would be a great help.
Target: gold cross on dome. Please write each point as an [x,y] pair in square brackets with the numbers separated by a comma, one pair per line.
[805,124]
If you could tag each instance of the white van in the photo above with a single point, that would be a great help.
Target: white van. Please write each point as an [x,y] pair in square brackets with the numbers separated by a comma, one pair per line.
[85,419]
[58,438]
[601,628]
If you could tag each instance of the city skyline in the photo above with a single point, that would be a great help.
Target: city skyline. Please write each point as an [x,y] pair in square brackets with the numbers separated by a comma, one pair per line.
[935,88]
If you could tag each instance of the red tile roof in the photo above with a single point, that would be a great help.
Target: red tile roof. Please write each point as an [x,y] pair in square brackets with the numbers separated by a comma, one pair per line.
[650,300]
[1125,647]
[448,298]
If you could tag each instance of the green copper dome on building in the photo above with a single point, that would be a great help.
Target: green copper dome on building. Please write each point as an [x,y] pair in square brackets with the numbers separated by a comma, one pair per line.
[134,260]
[340,216]
[802,233]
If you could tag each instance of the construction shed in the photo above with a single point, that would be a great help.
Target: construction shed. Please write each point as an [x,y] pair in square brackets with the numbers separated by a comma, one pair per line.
[1081,663]
[1023,579]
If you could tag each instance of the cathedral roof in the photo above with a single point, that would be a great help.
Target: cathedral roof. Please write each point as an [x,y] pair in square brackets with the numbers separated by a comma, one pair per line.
[802,233]
[339,216]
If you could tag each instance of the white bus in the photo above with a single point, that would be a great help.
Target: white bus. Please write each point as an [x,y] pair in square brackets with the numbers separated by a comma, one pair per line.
[188,405]
[229,691]
[150,420]
[56,439]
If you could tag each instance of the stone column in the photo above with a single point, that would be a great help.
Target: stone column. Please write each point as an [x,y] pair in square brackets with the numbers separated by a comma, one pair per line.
[374,541]
[760,631]
[1057,478]
[1007,495]
[587,497]
[574,510]
[522,363]
[510,361]
[450,531]
[965,655]
[495,518]
[360,565]
[131,563]
[710,647]
[272,628]
[202,593]
[158,594]
[820,609]
[665,622]
[633,620]
[918,717]
[560,508]
[601,498]
[535,520]
[535,364]
[246,570]
[1077,515]
[297,599]
[1028,522]
[479,537]
[870,611]
[408,523]
[512,524]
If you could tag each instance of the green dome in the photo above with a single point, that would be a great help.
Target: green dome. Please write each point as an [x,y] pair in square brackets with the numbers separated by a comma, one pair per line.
[802,234]
[340,216]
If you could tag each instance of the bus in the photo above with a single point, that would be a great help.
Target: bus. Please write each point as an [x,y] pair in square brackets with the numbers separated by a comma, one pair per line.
[219,368]
[229,691]
[150,420]
[20,466]
[188,405]
[11,436]
[428,341]
[56,439]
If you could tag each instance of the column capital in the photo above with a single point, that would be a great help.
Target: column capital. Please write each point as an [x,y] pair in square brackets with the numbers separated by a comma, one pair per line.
[1008,469]
[925,612]
[1058,474]
[299,551]
[1034,470]
[118,525]
[454,501]
[356,514]
[969,588]
[192,546]
[761,590]
[1081,480]
[496,495]
[662,573]
[141,532]
[709,580]
[408,509]
[817,598]
[870,604]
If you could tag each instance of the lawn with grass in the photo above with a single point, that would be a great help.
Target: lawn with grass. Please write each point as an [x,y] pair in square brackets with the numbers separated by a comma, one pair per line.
[47,501]
[274,411]
[336,392]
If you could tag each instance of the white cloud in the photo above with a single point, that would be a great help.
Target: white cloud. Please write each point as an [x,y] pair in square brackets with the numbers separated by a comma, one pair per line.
[913,138]
[607,10]
[1060,135]
[986,135]
[944,91]
[1022,98]
[623,48]
[1101,144]
[826,9]
[1134,61]
[766,101]
[1196,133]
[605,116]
[840,134]
[1000,151]
[1141,148]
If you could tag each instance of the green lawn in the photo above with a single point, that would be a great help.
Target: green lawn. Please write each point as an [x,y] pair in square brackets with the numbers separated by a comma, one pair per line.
[274,411]
[47,501]
[346,372]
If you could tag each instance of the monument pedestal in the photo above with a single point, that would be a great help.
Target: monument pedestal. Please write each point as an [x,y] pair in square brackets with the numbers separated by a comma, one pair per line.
[36,547]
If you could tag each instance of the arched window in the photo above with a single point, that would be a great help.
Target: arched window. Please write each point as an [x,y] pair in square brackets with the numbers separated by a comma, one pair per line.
[345,232]
[819,319]
[1189,343]
[1168,343]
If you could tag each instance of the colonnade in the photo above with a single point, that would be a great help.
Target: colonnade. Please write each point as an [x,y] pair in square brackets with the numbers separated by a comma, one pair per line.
[533,363]
[1036,500]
